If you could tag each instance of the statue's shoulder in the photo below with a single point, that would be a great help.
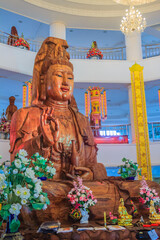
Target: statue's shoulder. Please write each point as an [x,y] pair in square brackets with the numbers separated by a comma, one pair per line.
[23,114]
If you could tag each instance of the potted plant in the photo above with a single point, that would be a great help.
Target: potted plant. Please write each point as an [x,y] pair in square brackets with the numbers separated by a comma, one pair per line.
[22,43]
[81,197]
[19,187]
[43,168]
[147,194]
[129,169]
[4,127]
[94,51]
[112,219]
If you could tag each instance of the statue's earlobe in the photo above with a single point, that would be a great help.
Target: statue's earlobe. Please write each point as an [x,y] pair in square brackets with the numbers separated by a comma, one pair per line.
[42,87]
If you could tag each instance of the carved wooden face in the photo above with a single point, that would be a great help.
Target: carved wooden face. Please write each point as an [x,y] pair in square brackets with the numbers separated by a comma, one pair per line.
[60,82]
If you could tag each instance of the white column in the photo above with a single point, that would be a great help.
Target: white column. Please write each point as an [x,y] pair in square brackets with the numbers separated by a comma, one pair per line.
[58,30]
[133,136]
[133,46]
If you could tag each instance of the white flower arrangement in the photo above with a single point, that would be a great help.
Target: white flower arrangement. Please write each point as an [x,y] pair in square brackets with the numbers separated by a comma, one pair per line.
[19,186]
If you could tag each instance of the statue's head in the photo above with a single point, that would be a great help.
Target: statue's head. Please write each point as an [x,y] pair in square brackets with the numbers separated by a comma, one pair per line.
[121,201]
[151,203]
[53,73]
[11,100]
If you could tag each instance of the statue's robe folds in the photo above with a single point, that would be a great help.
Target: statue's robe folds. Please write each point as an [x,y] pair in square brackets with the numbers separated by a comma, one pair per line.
[26,134]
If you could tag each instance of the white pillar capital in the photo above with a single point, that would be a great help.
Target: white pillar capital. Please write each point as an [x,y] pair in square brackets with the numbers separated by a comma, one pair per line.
[133,46]
[58,30]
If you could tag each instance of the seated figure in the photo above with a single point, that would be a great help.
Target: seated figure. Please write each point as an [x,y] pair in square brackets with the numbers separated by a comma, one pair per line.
[124,218]
[52,125]
[154,217]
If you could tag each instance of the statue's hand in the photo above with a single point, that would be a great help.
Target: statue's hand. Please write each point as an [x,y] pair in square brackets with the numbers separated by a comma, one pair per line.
[50,133]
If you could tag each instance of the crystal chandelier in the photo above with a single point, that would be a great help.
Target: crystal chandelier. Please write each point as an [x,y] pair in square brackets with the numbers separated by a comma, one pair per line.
[133,2]
[132,21]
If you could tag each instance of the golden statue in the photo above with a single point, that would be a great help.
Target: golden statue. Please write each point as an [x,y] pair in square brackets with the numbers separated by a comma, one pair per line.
[124,218]
[52,125]
[154,217]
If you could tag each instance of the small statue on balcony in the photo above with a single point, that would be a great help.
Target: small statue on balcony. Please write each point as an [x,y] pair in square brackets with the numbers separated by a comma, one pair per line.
[124,218]
[13,37]
[11,108]
[52,125]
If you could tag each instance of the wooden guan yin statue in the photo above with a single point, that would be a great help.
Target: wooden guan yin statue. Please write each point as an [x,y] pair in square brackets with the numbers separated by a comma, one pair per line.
[52,125]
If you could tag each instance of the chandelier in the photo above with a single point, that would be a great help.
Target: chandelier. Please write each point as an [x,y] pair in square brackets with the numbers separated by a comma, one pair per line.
[134,2]
[132,21]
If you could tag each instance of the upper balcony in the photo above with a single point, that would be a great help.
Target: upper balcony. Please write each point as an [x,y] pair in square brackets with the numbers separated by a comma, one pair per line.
[114,68]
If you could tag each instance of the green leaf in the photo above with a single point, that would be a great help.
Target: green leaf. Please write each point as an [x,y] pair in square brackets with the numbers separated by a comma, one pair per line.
[14,225]
[1,223]
[47,201]
[4,214]
[38,206]
[6,207]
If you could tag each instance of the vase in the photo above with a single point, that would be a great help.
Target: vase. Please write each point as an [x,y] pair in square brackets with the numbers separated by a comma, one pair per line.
[94,57]
[10,234]
[85,215]
[130,178]
[23,47]
[4,135]
[42,178]
[11,217]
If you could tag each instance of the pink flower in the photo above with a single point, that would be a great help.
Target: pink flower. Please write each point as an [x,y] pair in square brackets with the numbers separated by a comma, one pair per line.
[142,200]
[72,202]
[77,205]
[81,198]
[147,199]
[148,193]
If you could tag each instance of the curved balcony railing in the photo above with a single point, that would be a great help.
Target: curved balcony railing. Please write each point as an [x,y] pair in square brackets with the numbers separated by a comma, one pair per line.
[81,53]
[119,130]
[108,53]
[34,45]
[151,50]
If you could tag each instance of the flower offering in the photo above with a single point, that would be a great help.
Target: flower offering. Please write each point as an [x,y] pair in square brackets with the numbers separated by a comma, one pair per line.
[22,42]
[147,194]
[94,51]
[81,196]
[20,187]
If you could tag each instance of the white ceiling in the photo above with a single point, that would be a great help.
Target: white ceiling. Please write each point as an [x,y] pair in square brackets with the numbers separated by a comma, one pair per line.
[86,14]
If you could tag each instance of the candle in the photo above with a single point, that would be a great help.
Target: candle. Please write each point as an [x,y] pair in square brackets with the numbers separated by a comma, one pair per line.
[105,219]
